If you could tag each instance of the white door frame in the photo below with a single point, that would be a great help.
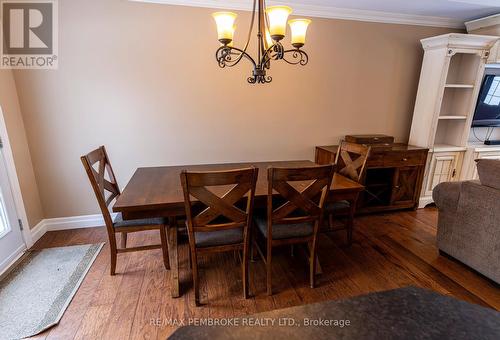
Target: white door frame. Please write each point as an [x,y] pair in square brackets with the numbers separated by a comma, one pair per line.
[14,182]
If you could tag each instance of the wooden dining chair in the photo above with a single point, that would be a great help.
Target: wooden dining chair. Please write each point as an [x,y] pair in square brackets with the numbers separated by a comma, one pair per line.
[297,216]
[219,223]
[103,181]
[350,162]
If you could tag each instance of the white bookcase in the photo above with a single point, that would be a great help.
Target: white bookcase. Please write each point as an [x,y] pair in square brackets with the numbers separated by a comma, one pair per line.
[450,80]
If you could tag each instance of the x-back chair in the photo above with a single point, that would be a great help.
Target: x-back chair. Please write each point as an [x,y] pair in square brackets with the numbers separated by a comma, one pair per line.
[296,219]
[350,162]
[218,223]
[103,181]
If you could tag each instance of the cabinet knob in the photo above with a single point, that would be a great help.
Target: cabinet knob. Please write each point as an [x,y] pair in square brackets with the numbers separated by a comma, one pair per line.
[405,159]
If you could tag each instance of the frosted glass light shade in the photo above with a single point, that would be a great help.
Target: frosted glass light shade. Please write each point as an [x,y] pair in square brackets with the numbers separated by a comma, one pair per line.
[225,26]
[299,30]
[278,15]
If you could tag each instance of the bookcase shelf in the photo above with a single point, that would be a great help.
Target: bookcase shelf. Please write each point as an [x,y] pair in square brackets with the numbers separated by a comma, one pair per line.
[450,117]
[456,103]
[459,86]
[450,132]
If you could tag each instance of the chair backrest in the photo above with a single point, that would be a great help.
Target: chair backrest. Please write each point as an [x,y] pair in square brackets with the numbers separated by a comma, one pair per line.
[204,214]
[351,160]
[307,202]
[97,166]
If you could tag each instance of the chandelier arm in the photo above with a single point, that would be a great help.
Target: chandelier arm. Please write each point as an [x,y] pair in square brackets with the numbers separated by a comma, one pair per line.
[299,57]
[223,56]
[278,50]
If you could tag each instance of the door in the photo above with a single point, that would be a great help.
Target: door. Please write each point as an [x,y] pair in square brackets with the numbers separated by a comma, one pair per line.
[11,238]
[404,185]
[443,168]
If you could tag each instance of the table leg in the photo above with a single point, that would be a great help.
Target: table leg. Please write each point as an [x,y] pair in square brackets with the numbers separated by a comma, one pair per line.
[174,256]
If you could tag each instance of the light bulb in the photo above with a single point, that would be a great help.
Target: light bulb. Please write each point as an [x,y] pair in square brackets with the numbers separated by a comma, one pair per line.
[299,30]
[225,26]
[278,15]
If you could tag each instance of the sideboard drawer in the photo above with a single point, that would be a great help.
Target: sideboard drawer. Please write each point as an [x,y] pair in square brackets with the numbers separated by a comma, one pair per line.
[397,159]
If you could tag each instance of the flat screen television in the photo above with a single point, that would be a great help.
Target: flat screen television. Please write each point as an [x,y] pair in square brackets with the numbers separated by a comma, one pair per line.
[487,112]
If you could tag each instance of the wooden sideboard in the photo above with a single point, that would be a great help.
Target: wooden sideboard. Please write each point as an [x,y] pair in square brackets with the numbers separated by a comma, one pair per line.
[393,178]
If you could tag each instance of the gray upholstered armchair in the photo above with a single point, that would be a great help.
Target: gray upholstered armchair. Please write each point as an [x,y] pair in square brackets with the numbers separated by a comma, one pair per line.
[469,220]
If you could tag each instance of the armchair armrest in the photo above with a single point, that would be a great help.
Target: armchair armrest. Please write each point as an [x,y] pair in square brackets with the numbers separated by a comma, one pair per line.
[446,195]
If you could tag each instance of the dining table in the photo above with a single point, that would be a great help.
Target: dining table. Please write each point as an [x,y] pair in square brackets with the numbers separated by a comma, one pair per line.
[157,192]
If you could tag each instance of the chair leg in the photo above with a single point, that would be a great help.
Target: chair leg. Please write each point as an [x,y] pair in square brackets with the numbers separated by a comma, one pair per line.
[164,247]
[312,264]
[268,268]
[113,252]
[244,266]
[113,262]
[330,220]
[196,283]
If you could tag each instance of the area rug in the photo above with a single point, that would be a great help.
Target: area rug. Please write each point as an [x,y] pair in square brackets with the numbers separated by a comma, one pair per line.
[34,296]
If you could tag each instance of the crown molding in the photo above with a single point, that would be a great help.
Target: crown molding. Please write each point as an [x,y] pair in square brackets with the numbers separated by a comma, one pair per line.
[474,25]
[459,40]
[328,12]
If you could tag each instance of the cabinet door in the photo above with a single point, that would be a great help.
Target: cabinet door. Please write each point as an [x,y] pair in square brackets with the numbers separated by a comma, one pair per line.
[485,155]
[404,185]
[443,167]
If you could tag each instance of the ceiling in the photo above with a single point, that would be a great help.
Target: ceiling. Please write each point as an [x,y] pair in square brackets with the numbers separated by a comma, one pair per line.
[456,9]
[446,13]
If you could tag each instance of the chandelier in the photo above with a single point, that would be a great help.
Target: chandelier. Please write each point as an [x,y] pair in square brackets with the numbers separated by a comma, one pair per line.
[271,29]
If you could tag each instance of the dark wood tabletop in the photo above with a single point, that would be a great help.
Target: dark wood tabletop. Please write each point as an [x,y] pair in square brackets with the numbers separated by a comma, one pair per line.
[159,188]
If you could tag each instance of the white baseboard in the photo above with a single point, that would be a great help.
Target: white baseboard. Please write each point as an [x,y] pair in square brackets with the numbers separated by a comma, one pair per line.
[9,261]
[38,231]
[66,223]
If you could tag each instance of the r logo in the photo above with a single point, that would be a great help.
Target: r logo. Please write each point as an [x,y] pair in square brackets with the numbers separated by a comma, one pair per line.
[28,28]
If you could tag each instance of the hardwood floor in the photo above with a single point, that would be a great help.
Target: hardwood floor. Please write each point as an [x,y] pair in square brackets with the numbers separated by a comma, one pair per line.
[389,251]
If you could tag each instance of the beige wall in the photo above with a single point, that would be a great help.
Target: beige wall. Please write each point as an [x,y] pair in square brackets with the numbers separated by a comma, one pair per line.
[17,137]
[142,79]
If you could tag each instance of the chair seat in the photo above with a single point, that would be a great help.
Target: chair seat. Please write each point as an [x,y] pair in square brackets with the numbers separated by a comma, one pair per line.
[219,237]
[337,206]
[120,222]
[283,231]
